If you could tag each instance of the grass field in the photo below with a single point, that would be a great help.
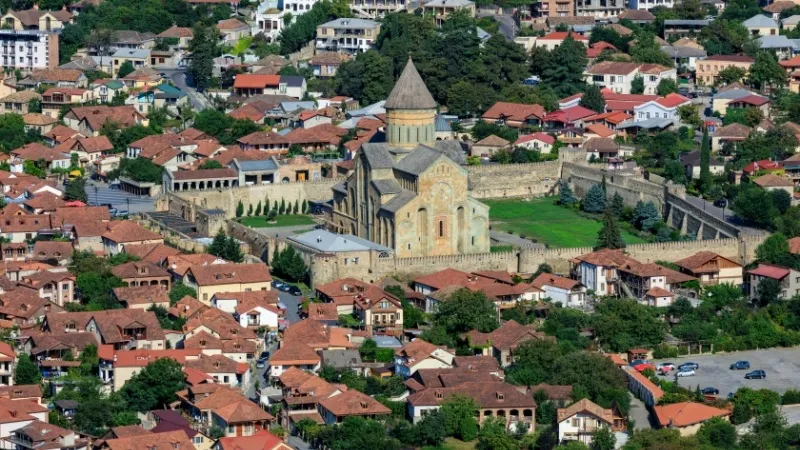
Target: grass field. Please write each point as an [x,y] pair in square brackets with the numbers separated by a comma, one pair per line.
[287,220]
[549,224]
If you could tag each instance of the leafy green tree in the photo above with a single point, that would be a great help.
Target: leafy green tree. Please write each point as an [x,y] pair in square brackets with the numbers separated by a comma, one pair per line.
[154,386]
[125,69]
[493,436]
[637,85]
[26,371]
[788,224]
[210,164]
[645,215]
[718,433]
[180,290]
[740,10]
[466,99]
[565,68]
[755,205]
[12,131]
[431,430]
[730,75]
[239,209]
[141,169]
[593,99]
[766,72]
[465,310]
[357,433]
[76,190]
[748,403]
[609,235]
[458,413]
[565,195]
[595,200]
[603,439]
[203,48]
[782,200]
[288,263]
[647,50]
[367,78]
[667,86]
[622,324]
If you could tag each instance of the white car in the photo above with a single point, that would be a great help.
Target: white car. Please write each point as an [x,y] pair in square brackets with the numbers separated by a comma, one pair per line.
[685,373]
[665,367]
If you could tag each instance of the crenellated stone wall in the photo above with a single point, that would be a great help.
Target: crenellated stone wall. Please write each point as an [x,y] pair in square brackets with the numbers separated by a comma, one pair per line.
[514,180]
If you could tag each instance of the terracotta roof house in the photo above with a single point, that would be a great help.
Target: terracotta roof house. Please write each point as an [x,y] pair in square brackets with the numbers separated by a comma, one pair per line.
[143,273]
[493,399]
[788,278]
[39,434]
[502,342]
[559,394]
[734,133]
[687,417]
[351,403]
[187,307]
[56,287]
[489,145]
[152,253]
[419,354]
[515,115]
[575,421]
[214,278]
[263,440]
[143,296]
[771,182]
[169,440]
[559,289]
[221,405]
[710,268]
[127,232]
[122,328]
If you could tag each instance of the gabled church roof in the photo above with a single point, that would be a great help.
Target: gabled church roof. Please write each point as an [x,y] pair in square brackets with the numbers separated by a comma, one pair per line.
[410,91]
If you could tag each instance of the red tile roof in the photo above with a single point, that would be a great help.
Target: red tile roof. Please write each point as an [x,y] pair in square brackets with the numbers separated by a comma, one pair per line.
[561,35]
[543,137]
[253,81]
[686,414]
[770,271]
[672,100]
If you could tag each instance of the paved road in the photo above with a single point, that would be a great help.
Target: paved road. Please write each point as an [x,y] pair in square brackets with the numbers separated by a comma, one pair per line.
[100,193]
[781,364]
[729,217]
[507,25]
[511,239]
[640,414]
[178,76]
[291,302]
[283,232]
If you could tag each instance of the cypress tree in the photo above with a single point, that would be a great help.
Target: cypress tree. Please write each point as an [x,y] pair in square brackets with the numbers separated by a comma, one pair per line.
[250,210]
[609,235]
[705,162]
[305,207]
[565,195]
[296,208]
[275,207]
[217,247]
[266,207]
[258,208]
[282,208]
[239,209]
[617,205]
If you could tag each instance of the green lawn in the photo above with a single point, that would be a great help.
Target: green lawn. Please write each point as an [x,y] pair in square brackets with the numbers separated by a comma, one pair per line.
[549,224]
[287,220]
[452,443]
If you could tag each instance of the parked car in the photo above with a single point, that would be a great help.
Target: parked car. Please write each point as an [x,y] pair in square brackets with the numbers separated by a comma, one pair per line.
[113,212]
[710,391]
[644,366]
[264,355]
[667,365]
[636,362]
[284,288]
[756,375]
[261,363]
[740,365]
[277,284]
[685,373]
[720,203]
[294,290]
[689,366]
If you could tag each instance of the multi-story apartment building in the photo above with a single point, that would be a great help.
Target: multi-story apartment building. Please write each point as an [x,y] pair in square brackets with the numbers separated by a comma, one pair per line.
[600,9]
[347,35]
[441,9]
[709,68]
[647,4]
[28,49]
[269,19]
[376,9]
[553,8]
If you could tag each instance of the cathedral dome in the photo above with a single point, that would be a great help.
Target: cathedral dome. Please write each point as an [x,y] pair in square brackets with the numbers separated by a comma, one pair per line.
[410,91]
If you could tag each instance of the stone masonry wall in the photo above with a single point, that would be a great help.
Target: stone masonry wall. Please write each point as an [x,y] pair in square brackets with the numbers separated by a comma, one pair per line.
[228,199]
[514,180]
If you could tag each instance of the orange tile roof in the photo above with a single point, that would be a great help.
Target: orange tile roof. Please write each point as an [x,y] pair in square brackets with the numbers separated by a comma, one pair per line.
[253,81]
[353,403]
[546,279]
[686,414]
[128,231]
[585,405]
[656,291]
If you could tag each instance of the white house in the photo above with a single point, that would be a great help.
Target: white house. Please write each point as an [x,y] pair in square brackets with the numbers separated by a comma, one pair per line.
[648,4]
[561,290]
[419,354]
[659,297]
[661,108]
[580,421]
[618,76]
[552,40]
[542,142]
[254,315]
[269,19]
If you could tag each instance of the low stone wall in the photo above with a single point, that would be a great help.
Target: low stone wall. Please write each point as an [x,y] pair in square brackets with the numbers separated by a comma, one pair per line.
[514,180]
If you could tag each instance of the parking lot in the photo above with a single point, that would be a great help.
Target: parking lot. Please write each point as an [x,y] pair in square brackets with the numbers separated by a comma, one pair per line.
[782,366]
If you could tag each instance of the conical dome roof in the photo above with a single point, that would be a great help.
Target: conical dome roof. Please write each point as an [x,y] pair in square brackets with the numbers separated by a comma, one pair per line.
[410,91]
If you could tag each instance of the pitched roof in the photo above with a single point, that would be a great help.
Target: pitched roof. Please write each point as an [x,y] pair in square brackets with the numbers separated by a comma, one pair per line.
[656,291]
[486,395]
[770,271]
[219,274]
[294,353]
[409,91]
[493,141]
[231,24]
[128,231]
[547,279]
[730,58]
[696,261]
[139,269]
[761,21]
[142,295]
[601,145]
[262,440]
[353,403]
[613,68]
[672,100]
[254,81]
[176,32]
[514,111]
[600,130]
[734,130]
[772,180]
[170,440]
[637,14]
[686,414]
[587,406]
[561,35]
[538,136]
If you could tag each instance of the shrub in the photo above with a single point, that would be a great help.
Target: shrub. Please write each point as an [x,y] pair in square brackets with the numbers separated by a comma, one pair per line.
[663,351]
[790,397]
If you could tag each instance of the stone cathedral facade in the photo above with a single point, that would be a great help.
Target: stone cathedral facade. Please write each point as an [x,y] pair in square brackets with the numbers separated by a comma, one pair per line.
[411,193]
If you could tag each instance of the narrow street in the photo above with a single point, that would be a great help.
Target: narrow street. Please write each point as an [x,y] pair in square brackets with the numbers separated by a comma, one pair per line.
[178,76]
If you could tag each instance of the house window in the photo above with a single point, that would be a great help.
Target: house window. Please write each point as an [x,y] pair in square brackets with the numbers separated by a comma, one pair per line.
[441,228]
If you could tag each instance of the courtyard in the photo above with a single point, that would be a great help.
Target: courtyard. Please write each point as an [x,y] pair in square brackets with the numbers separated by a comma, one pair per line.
[540,220]
[281,220]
